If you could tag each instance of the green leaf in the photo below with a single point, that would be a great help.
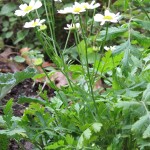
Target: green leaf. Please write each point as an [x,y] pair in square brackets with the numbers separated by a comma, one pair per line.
[138,125]
[146,133]
[25,74]
[87,134]
[13,132]
[8,34]
[7,8]
[21,35]
[8,113]
[112,33]
[2,121]
[9,80]
[24,99]
[142,39]
[96,127]
[127,104]
[108,62]
[80,142]
[146,94]
[69,139]
[19,59]
[144,24]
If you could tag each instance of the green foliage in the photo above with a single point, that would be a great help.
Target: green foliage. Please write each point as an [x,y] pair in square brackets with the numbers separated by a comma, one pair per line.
[106,103]
[9,80]
[4,142]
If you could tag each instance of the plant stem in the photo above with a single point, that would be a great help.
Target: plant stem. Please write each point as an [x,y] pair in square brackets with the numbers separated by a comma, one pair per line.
[87,65]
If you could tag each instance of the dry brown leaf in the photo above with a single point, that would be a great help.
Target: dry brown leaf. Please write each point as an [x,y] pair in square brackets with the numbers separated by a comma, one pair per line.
[6,62]
[59,79]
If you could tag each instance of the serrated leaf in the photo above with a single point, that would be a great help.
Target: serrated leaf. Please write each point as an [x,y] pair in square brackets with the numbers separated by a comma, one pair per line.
[87,134]
[2,120]
[69,139]
[96,127]
[142,39]
[24,99]
[127,104]
[8,112]
[112,33]
[146,94]
[144,24]
[80,142]
[25,74]
[146,133]
[140,123]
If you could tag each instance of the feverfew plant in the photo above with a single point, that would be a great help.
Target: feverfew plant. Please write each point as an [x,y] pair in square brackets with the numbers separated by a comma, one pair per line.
[25,9]
[102,100]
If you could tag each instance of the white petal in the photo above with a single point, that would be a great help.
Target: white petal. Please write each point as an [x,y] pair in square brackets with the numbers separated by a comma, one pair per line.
[32,3]
[92,3]
[19,13]
[41,21]
[107,13]
[23,6]
[37,5]
[102,22]
[27,25]
[96,5]
[98,18]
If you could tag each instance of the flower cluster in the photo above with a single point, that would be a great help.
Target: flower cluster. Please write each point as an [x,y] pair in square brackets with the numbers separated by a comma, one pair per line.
[25,9]
[77,8]
[107,17]
[58,0]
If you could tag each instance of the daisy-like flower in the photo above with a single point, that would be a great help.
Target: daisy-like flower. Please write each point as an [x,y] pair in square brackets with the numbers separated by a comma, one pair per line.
[24,8]
[72,26]
[112,48]
[90,6]
[34,23]
[58,0]
[77,8]
[65,10]
[108,17]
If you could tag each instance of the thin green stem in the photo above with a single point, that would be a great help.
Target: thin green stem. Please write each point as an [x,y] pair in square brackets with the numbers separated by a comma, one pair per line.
[101,50]
[50,27]
[87,65]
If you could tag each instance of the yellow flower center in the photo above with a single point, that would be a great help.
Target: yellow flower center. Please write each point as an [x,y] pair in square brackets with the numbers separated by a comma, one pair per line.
[77,9]
[85,6]
[34,24]
[108,17]
[28,8]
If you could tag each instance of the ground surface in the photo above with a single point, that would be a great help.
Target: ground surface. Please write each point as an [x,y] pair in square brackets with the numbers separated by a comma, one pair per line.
[26,88]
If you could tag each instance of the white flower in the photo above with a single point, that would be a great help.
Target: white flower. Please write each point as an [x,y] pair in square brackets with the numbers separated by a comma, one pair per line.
[77,8]
[24,8]
[65,11]
[90,6]
[108,17]
[58,0]
[112,48]
[72,26]
[34,23]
